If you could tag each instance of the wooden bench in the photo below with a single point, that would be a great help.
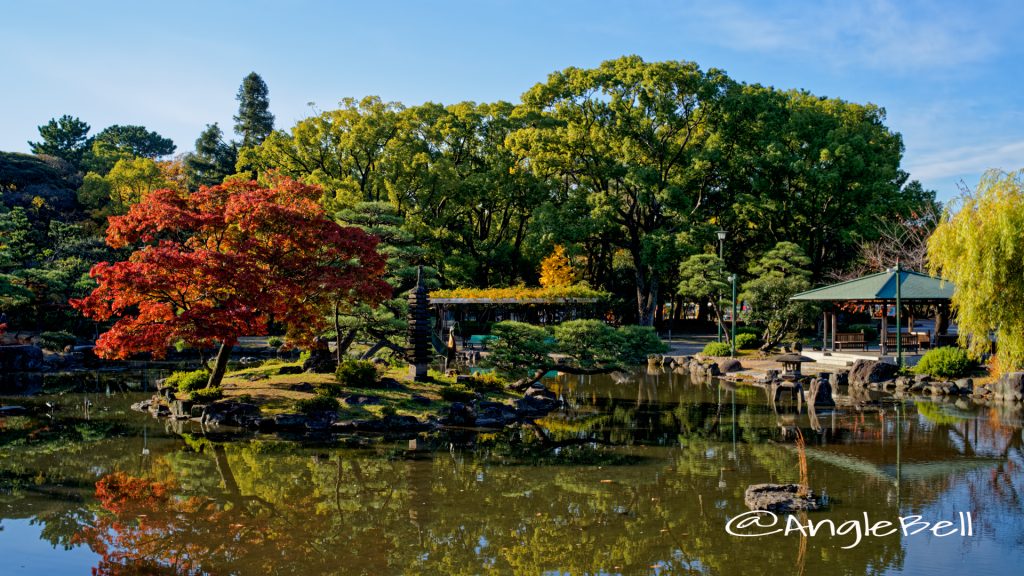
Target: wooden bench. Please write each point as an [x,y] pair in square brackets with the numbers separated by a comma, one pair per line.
[844,340]
[909,341]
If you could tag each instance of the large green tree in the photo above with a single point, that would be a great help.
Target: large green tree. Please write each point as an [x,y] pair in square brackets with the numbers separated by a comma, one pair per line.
[629,136]
[119,142]
[978,248]
[254,122]
[66,137]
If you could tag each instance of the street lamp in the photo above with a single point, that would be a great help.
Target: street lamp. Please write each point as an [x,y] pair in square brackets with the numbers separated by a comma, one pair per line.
[732,338]
[721,256]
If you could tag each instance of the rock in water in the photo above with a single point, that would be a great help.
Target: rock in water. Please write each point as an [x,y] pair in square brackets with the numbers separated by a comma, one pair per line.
[778,498]
[871,371]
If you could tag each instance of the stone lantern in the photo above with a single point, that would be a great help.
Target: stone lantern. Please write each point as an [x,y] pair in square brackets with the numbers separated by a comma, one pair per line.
[791,365]
[418,353]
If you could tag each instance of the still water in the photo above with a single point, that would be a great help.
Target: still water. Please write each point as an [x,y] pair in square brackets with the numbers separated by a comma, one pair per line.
[639,475]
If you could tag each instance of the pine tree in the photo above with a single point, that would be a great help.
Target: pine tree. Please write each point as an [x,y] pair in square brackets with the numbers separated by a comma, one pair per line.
[254,121]
[213,159]
[65,137]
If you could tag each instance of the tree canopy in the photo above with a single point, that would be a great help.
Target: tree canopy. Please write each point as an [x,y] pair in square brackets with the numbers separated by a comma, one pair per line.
[978,248]
[66,137]
[213,265]
[254,122]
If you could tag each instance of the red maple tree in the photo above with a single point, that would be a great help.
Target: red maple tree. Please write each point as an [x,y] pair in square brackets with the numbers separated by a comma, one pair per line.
[219,263]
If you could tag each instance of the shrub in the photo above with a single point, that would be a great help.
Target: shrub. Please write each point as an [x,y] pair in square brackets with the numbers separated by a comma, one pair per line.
[206,395]
[275,341]
[746,341]
[717,349]
[749,330]
[356,374]
[636,343]
[457,394]
[186,382]
[388,410]
[945,362]
[520,348]
[329,389]
[317,404]
[486,382]
[590,342]
[56,341]
[870,331]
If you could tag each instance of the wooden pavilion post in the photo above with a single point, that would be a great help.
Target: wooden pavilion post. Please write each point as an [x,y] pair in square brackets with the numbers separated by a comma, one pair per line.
[833,330]
[885,330]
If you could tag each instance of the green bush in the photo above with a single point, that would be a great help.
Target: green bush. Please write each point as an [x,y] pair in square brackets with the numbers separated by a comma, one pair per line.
[388,410]
[945,362]
[486,382]
[746,341]
[329,389]
[589,342]
[870,331]
[636,343]
[317,404]
[56,341]
[186,382]
[275,341]
[356,374]
[457,394]
[717,349]
[206,395]
[749,330]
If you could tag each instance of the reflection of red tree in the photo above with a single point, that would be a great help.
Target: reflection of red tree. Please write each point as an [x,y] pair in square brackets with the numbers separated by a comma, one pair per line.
[144,528]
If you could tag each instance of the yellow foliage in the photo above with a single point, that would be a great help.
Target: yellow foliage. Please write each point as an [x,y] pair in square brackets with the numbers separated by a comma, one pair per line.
[522,293]
[556,270]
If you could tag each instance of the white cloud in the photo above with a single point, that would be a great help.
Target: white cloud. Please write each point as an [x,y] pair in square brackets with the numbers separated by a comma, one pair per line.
[879,34]
[968,160]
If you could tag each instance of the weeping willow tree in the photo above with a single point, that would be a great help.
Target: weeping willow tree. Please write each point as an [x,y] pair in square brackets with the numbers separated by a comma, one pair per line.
[980,249]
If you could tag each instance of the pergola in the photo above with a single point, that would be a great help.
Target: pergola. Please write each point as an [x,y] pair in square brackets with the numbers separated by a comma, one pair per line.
[893,287]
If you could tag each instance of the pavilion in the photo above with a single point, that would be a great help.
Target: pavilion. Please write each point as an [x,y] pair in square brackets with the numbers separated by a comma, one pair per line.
[892,288]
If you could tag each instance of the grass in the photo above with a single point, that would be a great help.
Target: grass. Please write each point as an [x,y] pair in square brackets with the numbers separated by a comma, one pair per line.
[275,393]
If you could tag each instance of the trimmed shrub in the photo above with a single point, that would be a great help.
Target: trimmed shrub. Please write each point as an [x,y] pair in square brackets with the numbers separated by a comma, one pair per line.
[636,343]
[486,382]
[206,395]
[457,394]
[749,330]
[870,330]
[56,341]
[746,341]
[329,389]
[187,382]
[317,404]
[945,362]
[356,374]
[275,341]
[717,349]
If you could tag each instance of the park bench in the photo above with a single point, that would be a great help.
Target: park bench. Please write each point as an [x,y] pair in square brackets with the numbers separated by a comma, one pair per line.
[909,341]
[850,340]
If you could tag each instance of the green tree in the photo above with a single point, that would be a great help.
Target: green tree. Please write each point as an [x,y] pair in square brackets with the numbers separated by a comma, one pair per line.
[213,159]
[978,248]
[125,142]
[702,278]
[778,275]
[66,137]
[385,325]
[254,122]
[628,136]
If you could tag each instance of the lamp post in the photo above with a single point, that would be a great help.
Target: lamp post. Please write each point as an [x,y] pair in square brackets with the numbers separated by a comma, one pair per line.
[721,256]
[732,337]
[899,304]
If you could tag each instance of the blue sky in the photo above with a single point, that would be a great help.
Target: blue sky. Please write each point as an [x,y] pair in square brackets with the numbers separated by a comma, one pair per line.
[948,73]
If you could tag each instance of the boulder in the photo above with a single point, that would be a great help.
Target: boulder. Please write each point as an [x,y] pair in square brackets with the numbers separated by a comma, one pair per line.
[290,370]
[819,392]
[231,413]
[21,358]
[727,365]
[871,371]
[837,379]
[460,414]
[494,415]
[779,498]
[534,407]
[320,361]
[540,391]
[1009,387]
[421,399]
[362,400]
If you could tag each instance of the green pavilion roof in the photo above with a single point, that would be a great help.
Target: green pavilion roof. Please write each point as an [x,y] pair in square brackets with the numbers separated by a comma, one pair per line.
[881,287]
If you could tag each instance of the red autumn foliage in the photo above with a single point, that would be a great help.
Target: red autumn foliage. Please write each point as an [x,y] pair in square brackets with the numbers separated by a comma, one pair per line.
[219,263]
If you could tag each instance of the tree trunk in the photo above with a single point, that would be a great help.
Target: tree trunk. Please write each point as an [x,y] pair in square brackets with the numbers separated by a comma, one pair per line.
[646,296]
[222,363]
[337,335]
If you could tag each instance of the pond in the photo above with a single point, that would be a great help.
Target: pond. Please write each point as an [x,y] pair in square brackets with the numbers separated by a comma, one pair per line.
[640,474]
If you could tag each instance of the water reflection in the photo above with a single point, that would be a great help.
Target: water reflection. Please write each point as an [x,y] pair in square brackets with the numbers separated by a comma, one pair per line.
[639,475]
